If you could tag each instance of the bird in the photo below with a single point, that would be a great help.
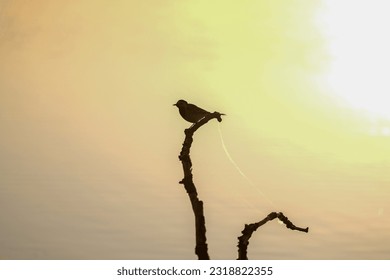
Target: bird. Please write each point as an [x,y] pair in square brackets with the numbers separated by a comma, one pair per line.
[192,113]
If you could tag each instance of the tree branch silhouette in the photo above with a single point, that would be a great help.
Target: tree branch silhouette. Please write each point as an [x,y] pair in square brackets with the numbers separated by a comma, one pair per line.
[201,249]
[243,240]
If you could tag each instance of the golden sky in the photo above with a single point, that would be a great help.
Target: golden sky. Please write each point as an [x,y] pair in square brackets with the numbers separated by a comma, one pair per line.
[90,139]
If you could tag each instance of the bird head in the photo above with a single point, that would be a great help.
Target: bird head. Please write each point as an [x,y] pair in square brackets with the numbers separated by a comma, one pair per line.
[180,103]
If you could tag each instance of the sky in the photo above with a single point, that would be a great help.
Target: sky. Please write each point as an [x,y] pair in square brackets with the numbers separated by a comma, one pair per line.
[90,140]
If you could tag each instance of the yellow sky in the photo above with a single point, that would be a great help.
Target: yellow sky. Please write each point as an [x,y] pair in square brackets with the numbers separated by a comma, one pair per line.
[89,134]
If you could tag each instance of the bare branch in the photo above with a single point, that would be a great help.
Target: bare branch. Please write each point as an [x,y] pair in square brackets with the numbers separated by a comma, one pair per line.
[201,248]
[197,205]
[243,240]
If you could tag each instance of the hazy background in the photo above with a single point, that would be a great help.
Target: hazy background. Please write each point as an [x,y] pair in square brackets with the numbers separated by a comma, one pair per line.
[89,138]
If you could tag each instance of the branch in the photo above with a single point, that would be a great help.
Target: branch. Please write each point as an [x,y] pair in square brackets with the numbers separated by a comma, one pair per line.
[243,240]
[197,205]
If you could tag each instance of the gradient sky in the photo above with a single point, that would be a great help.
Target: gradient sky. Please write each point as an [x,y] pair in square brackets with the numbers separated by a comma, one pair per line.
[90,139]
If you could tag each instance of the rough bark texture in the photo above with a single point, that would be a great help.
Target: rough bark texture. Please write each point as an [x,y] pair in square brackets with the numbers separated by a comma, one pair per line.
[243,240]
[201,249]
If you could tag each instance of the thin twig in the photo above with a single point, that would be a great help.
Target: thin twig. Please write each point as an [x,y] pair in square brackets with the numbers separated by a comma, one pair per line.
[243,240]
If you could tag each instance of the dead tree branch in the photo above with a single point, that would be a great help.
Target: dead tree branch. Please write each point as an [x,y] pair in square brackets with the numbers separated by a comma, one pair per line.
[243,240]
[201,249]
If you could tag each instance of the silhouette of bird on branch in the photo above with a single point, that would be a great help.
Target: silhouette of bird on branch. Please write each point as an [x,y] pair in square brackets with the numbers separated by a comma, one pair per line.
[192,113]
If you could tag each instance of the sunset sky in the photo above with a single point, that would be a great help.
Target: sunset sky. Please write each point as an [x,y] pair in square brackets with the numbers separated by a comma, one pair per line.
[90,139]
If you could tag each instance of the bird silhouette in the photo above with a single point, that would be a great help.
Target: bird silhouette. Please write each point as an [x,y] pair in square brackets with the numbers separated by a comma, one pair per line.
[192,113]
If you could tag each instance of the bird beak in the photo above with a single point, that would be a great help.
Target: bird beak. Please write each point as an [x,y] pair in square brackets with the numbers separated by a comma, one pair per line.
[174,105]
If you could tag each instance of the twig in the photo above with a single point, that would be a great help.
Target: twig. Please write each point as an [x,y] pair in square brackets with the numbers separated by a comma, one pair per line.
[243,240]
